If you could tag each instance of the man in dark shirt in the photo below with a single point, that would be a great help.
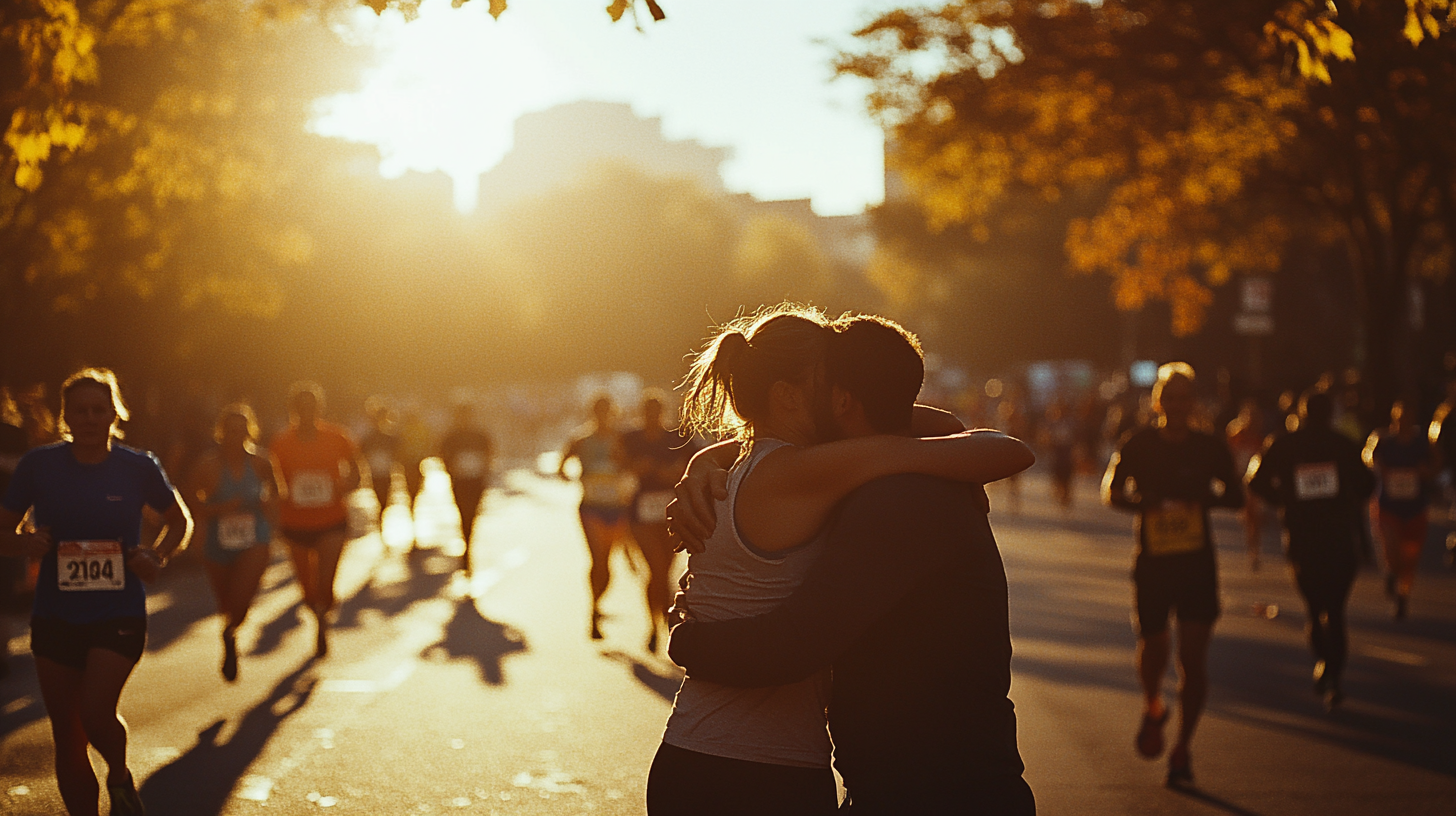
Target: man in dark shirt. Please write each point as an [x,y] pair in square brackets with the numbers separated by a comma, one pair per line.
[908,604]
[1317,476]
[1170,474]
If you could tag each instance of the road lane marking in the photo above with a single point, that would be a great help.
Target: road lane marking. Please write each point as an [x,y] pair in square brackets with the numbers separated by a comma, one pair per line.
[254,788]
[392,680]
[1394,656]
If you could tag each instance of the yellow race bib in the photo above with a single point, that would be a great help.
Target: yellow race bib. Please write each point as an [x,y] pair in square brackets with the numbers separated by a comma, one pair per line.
[1174,528]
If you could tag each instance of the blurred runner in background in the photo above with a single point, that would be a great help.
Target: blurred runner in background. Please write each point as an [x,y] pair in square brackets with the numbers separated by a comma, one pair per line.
[1317,476]
[232,490]
[317,467]
[1406,464]
[1246,434]
[606,496]
[658,457]
[380,447]
[468,453]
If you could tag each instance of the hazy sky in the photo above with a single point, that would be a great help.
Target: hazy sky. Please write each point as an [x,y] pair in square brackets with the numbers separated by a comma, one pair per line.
[752,75]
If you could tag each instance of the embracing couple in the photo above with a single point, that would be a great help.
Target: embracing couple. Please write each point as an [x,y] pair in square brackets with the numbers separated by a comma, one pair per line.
[842,530]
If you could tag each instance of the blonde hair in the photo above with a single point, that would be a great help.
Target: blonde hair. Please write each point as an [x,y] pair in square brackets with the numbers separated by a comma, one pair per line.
[727,387]
[103,378]
[1168,371]
[237,409]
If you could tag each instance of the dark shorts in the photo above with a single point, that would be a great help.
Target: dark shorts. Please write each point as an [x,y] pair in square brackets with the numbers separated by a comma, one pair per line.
[1187,585]
[610,516]
[310,538]
[693,784]
[68,643]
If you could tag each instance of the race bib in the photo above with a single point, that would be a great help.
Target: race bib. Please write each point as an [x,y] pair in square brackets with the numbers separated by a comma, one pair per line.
[237,531]
[603,490]
[381,464]
[468,465]
[652,506]
[1402,484]
[312,488]
[90,566]
[1318,481]
[1176,527]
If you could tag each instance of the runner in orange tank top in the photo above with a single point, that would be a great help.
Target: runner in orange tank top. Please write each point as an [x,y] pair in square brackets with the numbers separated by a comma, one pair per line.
[317,466]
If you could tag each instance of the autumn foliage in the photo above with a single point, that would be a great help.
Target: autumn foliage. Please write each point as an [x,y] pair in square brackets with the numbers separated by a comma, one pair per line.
[1210,135]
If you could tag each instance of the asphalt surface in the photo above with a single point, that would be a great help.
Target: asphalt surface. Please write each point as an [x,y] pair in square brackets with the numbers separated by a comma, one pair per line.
[443,695]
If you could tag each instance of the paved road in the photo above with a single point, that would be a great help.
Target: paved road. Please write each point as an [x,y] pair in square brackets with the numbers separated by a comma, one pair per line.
[442,695]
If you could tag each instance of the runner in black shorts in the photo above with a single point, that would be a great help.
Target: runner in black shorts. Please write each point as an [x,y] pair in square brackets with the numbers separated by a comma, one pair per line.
[1170,474]
[85,497]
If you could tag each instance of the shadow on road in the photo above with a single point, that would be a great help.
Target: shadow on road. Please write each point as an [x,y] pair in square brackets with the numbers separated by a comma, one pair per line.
[1388,711]
[201,781]
[20,702]
[429,572]
[665,685]
[471,635]
[271,634]
[1214,801]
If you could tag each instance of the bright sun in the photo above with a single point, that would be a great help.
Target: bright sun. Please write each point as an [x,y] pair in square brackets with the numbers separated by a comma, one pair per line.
[445,92]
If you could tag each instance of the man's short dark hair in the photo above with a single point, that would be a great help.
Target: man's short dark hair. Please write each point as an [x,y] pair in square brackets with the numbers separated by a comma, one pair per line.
[881,365]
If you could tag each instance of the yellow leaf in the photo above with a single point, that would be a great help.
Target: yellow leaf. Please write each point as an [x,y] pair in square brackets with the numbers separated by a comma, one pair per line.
[1342,45]
[1413,30]
[27,177]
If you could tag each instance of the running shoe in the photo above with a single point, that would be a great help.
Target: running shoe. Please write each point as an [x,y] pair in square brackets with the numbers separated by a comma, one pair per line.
[1150,735]
[124,798]
[1180,768]
[596,625]
[321,646]
[1322,679]
[229,658]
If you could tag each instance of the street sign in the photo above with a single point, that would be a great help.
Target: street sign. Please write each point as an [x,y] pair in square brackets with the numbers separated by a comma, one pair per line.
[1254,324]
[1256,295]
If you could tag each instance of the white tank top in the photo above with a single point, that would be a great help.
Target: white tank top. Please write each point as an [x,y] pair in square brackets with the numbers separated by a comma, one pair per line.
[780,725]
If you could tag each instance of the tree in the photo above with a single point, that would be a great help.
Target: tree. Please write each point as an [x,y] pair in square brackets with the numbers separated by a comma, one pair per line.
[176,192]
[1211,135]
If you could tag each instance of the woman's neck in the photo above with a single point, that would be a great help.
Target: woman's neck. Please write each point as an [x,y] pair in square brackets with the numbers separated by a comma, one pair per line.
[785,431]
[91,454]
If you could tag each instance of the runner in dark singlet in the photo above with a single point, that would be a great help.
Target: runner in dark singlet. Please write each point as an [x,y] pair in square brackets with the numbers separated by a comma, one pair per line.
[232,489]
[88,628]
[657,456]
[467,452]
[1406,464]
[1316,476]
[1170,475]
[606,496]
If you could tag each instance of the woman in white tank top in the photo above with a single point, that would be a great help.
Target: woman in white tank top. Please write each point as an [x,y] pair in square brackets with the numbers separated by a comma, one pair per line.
[731,750]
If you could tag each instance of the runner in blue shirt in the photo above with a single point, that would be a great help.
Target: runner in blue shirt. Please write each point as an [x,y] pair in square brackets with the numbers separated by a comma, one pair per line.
[84,498]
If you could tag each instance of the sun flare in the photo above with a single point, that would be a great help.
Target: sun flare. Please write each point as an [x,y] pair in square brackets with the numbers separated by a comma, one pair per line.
[444,93]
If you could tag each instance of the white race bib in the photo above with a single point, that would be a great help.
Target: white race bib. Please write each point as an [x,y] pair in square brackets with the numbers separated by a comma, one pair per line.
[652,506]
[1402,484]
[90,566]
[468,465]
[1316,481]
[311,488]
[1176,527]
[237,531]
